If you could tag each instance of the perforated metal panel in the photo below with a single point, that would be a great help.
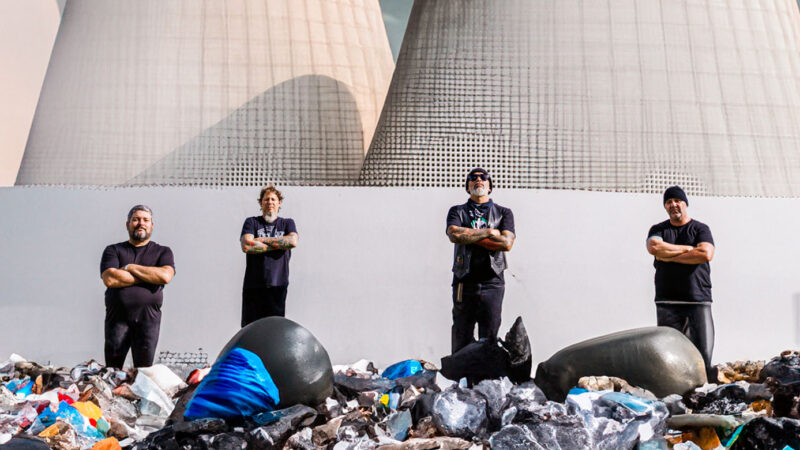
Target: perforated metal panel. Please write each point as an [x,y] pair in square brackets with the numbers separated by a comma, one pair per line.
[616,95]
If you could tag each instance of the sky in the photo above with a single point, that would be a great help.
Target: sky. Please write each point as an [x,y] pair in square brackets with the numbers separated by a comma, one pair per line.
[27,31]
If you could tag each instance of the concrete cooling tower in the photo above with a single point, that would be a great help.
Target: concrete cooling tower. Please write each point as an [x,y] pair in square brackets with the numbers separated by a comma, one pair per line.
[207,92]
[621,95]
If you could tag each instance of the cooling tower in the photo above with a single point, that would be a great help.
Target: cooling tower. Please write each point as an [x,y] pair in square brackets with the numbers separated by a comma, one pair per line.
[619,95]
[235,92]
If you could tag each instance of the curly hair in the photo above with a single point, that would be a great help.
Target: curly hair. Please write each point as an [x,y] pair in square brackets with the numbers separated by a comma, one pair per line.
[270,189]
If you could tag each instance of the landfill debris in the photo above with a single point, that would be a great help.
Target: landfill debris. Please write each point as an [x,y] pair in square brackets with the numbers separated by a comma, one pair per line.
[491,359]
[659,359]
[95,407]
[749,371]
[604,383]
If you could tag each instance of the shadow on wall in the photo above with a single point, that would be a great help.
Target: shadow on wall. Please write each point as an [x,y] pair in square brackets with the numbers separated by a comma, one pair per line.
[304,131]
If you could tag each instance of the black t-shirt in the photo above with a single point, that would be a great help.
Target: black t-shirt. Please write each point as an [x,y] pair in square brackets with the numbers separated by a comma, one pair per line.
[142,300]
[270,268]
[682,282]
[480,267]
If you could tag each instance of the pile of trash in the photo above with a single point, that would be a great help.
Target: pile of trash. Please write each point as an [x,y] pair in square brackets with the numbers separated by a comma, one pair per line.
[406,406]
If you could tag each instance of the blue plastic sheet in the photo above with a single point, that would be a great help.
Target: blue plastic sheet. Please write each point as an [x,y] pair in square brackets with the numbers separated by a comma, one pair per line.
[402,369]
[238,385]
[77,421]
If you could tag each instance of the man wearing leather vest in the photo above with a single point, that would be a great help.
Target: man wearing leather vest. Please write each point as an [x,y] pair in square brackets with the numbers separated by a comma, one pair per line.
[482,232]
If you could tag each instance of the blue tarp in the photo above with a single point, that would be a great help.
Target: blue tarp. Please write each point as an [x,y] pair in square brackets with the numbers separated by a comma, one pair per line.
[238,385]
[402,369]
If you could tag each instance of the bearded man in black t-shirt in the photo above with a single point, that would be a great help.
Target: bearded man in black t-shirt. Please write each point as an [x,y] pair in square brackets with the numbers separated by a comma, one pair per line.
[683,248]
[482,232]
[135,272]
[268,241]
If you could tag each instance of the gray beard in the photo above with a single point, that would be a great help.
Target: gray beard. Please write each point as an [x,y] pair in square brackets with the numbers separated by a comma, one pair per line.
[479,192]
[139,236]
[270,217]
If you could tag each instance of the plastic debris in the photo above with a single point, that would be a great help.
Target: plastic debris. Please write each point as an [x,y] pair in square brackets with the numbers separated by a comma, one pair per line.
[402,369]
[490,359]
[101,409]
[237,386]
[460,412]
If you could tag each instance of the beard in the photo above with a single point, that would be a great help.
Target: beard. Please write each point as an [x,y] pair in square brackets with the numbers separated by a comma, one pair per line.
[270,217]
[139,235]
[479,192]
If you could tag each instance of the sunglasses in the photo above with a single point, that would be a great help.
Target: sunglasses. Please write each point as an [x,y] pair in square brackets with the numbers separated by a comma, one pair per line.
[475,176]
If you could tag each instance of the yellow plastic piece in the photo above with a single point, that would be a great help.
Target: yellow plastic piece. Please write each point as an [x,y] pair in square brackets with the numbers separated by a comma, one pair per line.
[88,410]
[385,399]
[50,431]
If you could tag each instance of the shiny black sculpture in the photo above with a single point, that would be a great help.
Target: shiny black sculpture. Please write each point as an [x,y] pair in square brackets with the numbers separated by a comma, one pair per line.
[296,360]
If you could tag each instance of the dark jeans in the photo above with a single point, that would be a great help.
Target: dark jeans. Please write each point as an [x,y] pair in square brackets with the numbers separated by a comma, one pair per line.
[258,303]
[695,322]
[140,337]
[480,303]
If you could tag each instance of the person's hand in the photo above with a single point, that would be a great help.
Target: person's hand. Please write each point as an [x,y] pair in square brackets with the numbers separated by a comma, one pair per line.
[493,232]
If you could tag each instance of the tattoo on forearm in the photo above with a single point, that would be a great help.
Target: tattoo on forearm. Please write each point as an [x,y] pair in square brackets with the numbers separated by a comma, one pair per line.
[281,243]
[468,235]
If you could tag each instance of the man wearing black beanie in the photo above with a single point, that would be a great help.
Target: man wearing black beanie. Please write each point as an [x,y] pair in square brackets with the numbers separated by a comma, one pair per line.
[683,248]
[482,232]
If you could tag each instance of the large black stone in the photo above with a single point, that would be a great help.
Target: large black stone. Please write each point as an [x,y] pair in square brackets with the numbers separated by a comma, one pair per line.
[297,362]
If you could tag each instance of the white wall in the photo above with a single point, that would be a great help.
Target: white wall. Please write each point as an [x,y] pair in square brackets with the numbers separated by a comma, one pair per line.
[371,276]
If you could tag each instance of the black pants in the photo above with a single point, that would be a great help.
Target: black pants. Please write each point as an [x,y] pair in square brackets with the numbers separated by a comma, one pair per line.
[695,322]
[480,303]
[258,303]
[140,337]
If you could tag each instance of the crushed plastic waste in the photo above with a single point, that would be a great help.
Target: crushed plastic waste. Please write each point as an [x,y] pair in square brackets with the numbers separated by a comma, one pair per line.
[489,359]
[91,406]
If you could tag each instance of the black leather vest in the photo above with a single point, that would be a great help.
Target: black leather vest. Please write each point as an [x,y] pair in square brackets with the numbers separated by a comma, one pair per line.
[462,254]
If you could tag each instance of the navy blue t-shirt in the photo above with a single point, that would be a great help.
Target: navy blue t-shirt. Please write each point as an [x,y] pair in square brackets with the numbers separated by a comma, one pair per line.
[270,268]
[480,267]
[141,301]
[682,282]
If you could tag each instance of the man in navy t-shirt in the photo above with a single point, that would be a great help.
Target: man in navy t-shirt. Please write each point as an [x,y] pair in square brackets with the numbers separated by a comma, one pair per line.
[482,232]
[683,248]
[268,241]
[135,272]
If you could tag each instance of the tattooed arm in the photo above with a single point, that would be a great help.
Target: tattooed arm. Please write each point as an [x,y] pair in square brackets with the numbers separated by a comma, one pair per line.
[502,242]
[253,245]
[287,242]
[462,235]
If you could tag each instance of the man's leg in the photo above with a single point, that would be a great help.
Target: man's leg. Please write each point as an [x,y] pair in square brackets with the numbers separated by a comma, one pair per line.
[144,342]
[491,310]
[464,316]
[701,333]
[275,302]
[117,341]
[696,323]
[252,305]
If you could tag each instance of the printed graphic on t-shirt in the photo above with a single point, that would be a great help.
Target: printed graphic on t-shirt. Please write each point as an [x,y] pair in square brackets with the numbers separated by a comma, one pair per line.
[478,221]
[268,231]
[479,224]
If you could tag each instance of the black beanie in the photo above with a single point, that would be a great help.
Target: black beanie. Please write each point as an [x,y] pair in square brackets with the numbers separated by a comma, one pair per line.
[675,192]
[476,170]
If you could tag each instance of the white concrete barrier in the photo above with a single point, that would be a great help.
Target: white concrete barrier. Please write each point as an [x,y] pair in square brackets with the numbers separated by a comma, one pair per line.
[371,275]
